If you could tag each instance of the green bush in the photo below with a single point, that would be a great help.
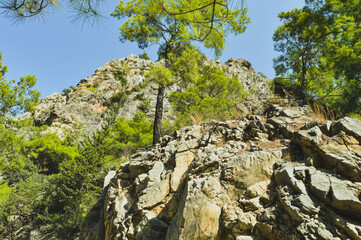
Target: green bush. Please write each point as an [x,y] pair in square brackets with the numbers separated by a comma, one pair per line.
[144,105]
[120,75]
[93,89]
[48,151]
[14,164]
[78,185]
[211,96]
[129,135]
[144,55]
[17,96]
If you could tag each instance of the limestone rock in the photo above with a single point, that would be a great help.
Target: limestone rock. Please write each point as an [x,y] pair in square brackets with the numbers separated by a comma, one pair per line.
[351,126]
[198,213]
[277,175]
[87,101]
[211,183]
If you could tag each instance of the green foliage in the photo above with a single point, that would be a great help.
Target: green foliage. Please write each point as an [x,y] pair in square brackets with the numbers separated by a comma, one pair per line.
[185,65]
[93,89]
[119,97]
[144,105]
[171,21]
[159,74]
[17,194]
[129,135]
[136,88]
[56,181]
[48,151]
[208,94]
[5,191]
[144,55]
[262,75]
[299,38]
[84,10]
[13,164]
[77,186]
[96,84]
[320,44]
[22,202]
[16,96]
[120,75]
[355,115]
[174,23]
[169,127]
[66,91]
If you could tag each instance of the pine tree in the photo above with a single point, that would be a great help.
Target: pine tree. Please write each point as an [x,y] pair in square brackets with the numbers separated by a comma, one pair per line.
[169,23]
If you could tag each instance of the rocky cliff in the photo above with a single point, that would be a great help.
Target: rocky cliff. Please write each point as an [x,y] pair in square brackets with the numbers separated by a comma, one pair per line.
[124,78]
[279,171]
[281,174]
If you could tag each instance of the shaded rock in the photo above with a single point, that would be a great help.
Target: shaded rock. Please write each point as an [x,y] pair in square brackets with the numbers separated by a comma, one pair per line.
[257,189]
[336,193]
[157,187]
[208,182]
[350,126]
[308,139]
[198,215]
[326,128]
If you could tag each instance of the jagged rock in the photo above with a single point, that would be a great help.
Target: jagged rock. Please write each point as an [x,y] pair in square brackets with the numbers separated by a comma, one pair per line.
[275,173]
[326,128]
[258,189]
[198,212]
[210,183]
[44,110]
[182,161]
[85,103]
[341,154]
[341,195]
[308,139]
[156,187]
[350,126]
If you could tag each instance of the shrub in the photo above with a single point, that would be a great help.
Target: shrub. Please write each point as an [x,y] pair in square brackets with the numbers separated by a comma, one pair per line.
[120,75]
[144,55]
[48,151]
[129,135]
[211,96]
[93,89]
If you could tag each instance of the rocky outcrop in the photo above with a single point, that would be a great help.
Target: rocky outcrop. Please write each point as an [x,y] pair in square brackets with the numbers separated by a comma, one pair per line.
[124,79]
[281,175]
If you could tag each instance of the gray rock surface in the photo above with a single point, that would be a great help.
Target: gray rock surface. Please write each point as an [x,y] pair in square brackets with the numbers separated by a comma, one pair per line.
[261,177]
[85,103]
[277,172]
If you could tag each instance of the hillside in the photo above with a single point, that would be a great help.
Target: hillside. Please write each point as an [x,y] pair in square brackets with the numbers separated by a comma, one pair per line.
[56,157]
[86,102]
[278,169]
[283,174]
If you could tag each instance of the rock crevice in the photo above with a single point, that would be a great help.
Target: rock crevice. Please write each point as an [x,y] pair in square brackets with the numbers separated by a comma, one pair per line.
[279,175]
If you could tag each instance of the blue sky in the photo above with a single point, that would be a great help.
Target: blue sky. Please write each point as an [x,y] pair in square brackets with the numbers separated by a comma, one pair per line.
[60,53]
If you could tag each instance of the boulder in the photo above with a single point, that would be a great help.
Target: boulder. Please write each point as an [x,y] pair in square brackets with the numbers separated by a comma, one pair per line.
[350,126]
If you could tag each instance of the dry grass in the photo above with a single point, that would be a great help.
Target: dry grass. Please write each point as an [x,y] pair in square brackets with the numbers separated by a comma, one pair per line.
[279,101]
[270,144]
[323,111]
[196,118]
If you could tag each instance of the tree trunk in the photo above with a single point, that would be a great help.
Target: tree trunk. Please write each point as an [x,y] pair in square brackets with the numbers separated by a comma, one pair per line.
[157,128]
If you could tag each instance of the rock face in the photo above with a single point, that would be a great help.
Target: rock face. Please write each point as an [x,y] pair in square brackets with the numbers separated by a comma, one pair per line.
[280,175]
[124,78]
